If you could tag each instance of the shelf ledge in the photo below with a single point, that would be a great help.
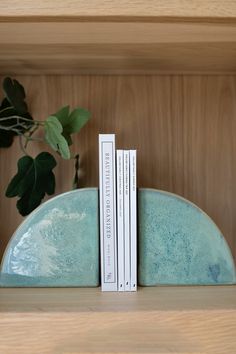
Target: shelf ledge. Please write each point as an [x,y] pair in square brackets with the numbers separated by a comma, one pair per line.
[107,38]
[153,320]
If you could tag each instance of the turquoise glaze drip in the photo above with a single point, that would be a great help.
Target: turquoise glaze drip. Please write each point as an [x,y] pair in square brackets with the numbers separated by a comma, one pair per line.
[179,244]
[57,244]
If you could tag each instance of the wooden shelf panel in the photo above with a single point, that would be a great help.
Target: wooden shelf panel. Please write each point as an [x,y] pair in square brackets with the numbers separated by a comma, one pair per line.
[85,33]
[67,45]
[119,59]
[153,320]
[108,8]
[183,128]
[90,300]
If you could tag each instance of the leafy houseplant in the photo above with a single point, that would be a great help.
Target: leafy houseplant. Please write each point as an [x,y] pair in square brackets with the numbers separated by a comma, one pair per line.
[35,176]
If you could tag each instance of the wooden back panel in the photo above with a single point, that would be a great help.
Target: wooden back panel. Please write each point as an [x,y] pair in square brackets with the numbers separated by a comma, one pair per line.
[182,126]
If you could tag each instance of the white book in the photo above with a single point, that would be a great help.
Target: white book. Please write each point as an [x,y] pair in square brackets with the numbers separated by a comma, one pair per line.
[107,202]
[133,219]
[127,219]
[120,218]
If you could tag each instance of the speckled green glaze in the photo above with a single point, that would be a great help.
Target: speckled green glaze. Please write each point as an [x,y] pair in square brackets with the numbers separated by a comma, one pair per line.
[179,244]
[56,245]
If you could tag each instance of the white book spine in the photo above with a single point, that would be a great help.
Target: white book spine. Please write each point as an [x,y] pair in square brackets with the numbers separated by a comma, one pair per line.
[120,218]
[107,202]
[133,219]
[127,219]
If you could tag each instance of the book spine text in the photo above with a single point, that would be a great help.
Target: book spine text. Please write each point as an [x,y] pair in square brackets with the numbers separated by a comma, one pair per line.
[127,219]
[133,220]
[107,202]
[120,219]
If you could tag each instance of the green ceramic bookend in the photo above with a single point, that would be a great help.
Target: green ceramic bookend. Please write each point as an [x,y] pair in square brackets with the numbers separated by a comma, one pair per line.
[56,245]
[179,244]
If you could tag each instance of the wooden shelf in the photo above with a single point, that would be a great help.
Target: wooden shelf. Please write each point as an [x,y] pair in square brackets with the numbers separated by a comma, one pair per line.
[153,320]
[184,133]
[77,37]
[132,9]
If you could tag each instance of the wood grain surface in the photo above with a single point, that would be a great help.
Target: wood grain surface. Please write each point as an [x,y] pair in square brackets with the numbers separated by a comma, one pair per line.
[126,9]
[182,126]
[124,37]
[113,47]
[177,320]
[160,298]
[69,33]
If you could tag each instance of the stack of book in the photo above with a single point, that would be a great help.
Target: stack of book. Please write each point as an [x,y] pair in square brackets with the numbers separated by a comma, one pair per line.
[118,216]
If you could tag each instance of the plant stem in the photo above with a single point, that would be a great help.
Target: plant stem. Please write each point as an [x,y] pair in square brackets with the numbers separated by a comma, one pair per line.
[13,127]
[5,109]
[76,175]
[22,145]
[29,137]
[35,139]
[23,119]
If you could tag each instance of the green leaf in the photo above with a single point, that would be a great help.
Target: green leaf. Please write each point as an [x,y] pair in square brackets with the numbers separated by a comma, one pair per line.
[24,164]
[77,119]
[15,94]
[5,104]
[6,138]
[33,180]
[54,137]
[49,183]
[6,110]
[67,137]
[71,123]
[63,115]
[76,175]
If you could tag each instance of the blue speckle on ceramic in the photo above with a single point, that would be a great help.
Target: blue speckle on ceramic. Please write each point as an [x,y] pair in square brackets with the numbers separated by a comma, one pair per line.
[179,244]
[56,245]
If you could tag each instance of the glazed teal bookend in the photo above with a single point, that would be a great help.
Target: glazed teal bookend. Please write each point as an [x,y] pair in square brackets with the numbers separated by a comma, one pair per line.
[179,244]
[57,245]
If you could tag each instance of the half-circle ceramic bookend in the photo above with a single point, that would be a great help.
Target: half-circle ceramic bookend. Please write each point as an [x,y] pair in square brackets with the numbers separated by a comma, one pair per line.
[179,244]
[56,245]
